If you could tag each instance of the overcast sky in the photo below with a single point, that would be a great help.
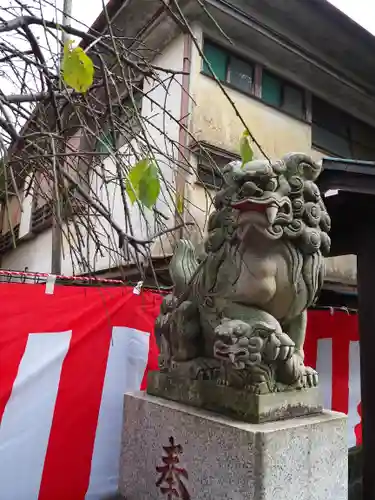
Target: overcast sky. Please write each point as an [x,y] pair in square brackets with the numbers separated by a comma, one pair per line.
[362,11]
[86,11]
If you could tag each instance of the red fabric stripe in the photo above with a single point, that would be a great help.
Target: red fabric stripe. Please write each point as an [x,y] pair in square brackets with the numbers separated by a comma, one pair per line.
[342,328]
[340,364]
[318,327]
[352,326]
[153,353]
[90,313]
[311,341]
[13,336]
[72,435]
[72,438]
[358,427]
[10,358]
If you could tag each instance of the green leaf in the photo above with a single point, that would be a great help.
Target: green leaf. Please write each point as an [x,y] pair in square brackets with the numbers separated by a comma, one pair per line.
[149,187]
[179,203]
[143,183]
[245,149]
[77,68]
[134,179]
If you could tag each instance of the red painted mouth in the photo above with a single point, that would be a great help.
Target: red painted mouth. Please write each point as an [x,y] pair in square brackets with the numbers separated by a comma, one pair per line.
[268,208]
[247,206]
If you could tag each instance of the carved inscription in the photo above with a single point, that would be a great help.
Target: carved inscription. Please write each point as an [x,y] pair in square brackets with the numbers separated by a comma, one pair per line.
[171,477]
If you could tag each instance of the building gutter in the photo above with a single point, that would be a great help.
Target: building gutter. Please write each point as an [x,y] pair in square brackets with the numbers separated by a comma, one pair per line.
[183,150]
[250,21]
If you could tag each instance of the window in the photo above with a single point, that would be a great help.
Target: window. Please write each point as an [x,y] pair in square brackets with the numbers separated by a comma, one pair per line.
[9,224]
[106,143]
[240,74]
[271,90]
[218,59]
[128,125]
[42,214]
[208,172]
[211,161]
[41,218]
[228,68]
[280,94]
[340,134]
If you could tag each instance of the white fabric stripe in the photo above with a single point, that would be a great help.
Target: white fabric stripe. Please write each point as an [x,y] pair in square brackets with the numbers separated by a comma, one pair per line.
[27,419]
[324,369]
[126,365]
[354,391]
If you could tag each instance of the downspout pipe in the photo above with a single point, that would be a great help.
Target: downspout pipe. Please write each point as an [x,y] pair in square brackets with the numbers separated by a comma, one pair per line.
[184,122]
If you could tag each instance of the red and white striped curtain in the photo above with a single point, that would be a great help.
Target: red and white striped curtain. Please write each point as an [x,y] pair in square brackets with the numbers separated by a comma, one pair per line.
[67,358]
[332,347]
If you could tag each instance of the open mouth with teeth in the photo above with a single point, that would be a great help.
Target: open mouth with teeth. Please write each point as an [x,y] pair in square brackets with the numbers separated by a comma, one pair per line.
[271,208]
[237,353]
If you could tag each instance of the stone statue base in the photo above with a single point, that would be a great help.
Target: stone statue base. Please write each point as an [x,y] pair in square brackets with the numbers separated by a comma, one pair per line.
[170,450]
[238,404]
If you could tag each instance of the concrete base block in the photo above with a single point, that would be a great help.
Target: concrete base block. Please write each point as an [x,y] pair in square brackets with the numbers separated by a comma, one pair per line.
[194,454]
[235,403]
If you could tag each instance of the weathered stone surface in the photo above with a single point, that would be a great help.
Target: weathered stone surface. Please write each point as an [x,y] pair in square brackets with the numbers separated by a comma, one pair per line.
[116,496]
[296,459]
[236,403]
[237,312]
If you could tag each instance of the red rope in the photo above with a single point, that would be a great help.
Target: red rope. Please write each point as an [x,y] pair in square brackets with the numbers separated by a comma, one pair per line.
[25,274]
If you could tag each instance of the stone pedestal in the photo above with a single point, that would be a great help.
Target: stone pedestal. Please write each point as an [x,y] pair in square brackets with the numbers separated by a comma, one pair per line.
[202,455]
[241,405]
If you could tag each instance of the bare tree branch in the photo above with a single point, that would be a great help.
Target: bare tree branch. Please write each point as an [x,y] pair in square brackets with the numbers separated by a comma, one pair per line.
[73,152]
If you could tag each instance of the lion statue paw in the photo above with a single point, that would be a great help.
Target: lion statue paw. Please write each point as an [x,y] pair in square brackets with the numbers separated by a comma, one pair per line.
[309,377]
[294,372]
[251,344]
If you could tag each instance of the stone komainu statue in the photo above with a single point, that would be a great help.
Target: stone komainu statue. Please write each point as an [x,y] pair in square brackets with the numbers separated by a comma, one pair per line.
[238,312]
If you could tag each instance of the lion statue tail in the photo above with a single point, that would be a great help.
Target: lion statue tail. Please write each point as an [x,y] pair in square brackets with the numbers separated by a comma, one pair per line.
[183,265]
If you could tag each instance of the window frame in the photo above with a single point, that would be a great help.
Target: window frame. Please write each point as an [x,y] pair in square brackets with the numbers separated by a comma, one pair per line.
[205,173]
[106,143]
[41,209]
[9,239]
[230,55]
[137,98]
[284,84]
[203,62]
[111,142]
[203,151]
[348,122]
[307,115]
[257,80]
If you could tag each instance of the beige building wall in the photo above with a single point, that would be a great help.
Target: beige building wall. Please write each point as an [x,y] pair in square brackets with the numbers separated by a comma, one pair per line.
[214,120]
[35,253]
